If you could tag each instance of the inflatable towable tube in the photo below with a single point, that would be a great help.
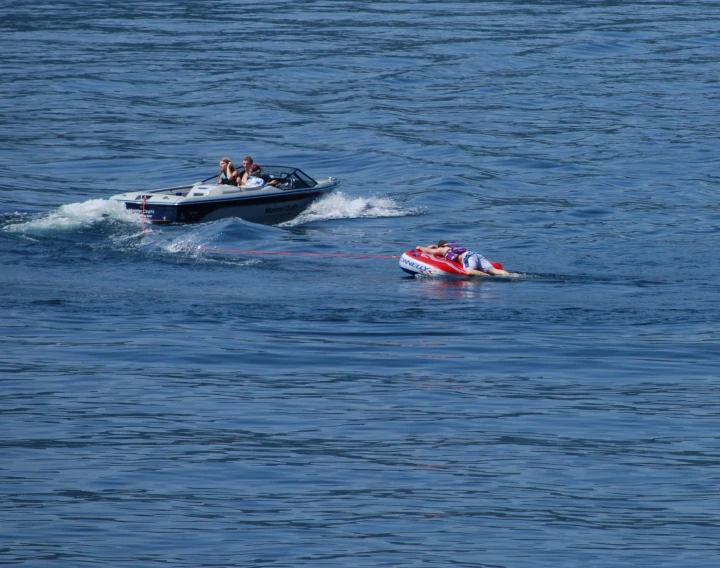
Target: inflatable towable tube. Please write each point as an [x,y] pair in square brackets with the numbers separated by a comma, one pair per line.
[423,264]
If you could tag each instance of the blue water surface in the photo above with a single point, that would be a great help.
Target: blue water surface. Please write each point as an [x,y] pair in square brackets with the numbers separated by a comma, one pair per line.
[232,394]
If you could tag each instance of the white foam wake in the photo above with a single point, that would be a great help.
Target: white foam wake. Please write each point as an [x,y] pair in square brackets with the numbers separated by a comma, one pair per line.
[76,216]
[340,206]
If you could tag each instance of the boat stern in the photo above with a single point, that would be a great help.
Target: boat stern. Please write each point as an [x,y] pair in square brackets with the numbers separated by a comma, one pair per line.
[155,208]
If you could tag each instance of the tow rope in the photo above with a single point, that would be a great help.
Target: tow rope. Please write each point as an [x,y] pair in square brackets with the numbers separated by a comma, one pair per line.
[286,253]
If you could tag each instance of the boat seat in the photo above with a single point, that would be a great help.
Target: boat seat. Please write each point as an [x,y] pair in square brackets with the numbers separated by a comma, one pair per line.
[201,190]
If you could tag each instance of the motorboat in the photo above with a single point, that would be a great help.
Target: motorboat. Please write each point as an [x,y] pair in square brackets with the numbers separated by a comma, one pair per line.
[278,194]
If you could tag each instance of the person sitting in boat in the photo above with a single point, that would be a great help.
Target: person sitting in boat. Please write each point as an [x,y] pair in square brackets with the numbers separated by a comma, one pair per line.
[474,263]
[250,169]
[229,174]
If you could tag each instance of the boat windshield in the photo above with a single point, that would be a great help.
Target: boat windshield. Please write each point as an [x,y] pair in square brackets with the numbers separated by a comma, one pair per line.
[286,177]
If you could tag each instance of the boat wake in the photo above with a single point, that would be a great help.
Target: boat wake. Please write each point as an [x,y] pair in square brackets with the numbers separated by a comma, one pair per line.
[340,206]
[72,216]
[106,225]
[211,242]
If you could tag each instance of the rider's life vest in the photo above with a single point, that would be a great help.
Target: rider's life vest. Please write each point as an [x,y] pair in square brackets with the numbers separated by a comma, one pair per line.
[454,252]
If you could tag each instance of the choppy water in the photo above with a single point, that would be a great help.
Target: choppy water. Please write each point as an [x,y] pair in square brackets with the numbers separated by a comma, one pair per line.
[170,399]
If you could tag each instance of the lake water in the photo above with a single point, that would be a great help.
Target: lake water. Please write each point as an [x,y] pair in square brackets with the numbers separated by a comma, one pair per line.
[169,399]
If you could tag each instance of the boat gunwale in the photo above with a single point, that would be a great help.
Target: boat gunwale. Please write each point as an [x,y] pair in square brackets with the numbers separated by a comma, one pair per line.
[239,195]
